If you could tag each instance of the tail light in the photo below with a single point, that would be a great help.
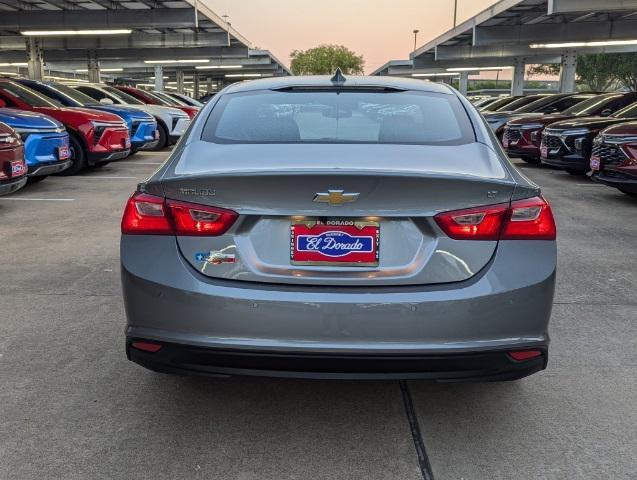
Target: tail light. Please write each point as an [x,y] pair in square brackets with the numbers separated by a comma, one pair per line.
[150,215]
[521,355]
[528,219]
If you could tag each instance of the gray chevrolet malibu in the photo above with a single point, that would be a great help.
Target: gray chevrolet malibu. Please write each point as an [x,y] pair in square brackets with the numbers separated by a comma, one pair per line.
[332,227]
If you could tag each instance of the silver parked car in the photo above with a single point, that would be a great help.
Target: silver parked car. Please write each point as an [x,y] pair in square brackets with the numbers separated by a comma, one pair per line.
[323,227]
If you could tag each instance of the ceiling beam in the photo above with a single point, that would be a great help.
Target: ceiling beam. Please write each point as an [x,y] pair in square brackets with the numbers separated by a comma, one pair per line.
[555,32]
[136,40]
[572,6]
[102,19]
[533,55]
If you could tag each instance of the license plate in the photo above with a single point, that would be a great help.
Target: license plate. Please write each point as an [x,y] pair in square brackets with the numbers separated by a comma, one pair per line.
[17,169]
[505,142]
[156,135]
[544,151]
[595,163]
[127,143]
[335,242]
[63,153]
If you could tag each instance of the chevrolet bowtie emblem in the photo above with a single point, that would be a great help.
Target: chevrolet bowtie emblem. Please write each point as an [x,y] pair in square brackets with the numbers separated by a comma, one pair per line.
[335,197]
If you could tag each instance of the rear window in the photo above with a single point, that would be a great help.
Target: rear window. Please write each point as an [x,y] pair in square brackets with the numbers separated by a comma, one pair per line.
[333,116]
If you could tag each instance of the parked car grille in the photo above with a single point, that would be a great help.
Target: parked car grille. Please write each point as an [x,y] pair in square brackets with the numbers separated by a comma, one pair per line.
[609,154]
[512,135]
[551,141]
[134,126]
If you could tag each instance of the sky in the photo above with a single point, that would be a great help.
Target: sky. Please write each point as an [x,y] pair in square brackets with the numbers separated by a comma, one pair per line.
[380,30]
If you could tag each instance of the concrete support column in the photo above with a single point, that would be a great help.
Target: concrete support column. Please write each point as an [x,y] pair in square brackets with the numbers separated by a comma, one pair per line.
[93,68]
[35,59]
[159,78]
[567,72]
[517,82]
[208,84]
[195,85]
[180,81]
[463,83]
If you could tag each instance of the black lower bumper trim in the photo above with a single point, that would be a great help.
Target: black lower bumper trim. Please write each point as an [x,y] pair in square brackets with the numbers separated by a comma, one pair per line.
[10,186]
[94,158]
[624,184]
[474,366]
[50,168]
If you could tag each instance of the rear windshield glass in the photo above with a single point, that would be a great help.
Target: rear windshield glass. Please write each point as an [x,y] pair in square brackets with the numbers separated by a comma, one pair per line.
[627,112]
[332,116]
[123,96]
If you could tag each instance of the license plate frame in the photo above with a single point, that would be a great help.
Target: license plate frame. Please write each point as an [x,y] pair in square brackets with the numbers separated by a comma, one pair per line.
[18,168]
[595,163]
[505,142]
[64,153]
[335,242]
[544,151]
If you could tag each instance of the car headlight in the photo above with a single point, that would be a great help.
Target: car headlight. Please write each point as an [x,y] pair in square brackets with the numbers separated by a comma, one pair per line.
[8,138]
[100,127]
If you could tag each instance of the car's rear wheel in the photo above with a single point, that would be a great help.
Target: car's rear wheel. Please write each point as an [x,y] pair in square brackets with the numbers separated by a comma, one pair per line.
[78,156]
[163,139]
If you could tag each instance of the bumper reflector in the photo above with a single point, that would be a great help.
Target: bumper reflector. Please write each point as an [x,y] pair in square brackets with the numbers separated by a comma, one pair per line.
[146,346]
[525,355]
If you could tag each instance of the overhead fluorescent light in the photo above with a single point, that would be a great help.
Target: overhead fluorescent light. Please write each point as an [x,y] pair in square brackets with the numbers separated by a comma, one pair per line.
[200,60]
[213,67]
[51,77]
[444,74]
[50,33]
[234,75]
[600,43]
[84,70]
[14,64]
[471,69]
[153,78]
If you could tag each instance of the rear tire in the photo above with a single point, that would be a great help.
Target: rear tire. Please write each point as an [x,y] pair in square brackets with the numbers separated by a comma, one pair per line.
[36,179]
[163,139]
[572,171]
[78,155]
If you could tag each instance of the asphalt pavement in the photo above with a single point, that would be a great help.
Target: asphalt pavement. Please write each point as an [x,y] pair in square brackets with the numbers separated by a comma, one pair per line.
[73,407]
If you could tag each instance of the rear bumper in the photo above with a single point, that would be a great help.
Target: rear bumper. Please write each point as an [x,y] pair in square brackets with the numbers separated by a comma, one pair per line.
[49,169]
[10,186]
[504,307]
[477,366]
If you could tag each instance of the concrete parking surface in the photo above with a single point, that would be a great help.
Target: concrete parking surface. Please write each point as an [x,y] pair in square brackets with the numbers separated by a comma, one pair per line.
[73,407]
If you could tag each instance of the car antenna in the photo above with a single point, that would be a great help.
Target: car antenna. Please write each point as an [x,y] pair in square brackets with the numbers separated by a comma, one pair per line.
[338,77]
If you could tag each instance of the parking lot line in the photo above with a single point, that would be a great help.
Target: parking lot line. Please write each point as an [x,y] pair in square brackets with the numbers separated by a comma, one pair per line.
[108,177]
[416,435]
[20,199]
[142,163]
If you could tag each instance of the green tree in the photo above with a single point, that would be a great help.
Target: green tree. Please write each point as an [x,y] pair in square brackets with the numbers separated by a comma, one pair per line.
[597,71]
[625,68]
[324,59]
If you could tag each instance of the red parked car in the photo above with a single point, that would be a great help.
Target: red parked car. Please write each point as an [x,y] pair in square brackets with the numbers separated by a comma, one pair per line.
[614,158]
[95,137]
[155,98]
[13,169]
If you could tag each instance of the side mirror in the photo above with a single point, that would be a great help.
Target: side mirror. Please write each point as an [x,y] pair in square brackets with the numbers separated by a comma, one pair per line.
[2,103]
[606,112]
[106,101]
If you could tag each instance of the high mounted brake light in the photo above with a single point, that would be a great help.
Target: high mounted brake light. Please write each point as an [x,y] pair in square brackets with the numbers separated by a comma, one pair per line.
[528,219]
[151,215]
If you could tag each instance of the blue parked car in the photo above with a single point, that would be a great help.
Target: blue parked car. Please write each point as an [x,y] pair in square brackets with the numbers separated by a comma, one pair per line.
[141,125]
[46,142]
